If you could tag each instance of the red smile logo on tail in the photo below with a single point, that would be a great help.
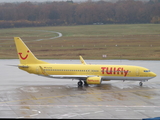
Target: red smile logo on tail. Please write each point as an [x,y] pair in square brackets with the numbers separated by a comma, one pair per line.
[23,58]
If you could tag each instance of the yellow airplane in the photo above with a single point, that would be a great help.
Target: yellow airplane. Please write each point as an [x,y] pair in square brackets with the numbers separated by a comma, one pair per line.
[85,73]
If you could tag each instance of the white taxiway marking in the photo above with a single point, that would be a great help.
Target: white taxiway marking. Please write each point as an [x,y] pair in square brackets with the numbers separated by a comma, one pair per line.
[156,111]
[31,114]
[37,111]
[98,111]
[84,113]
[139,110]
[60,116]
[59,35]
[120,110]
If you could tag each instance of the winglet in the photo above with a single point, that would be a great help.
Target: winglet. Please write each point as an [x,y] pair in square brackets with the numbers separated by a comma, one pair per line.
[82,60]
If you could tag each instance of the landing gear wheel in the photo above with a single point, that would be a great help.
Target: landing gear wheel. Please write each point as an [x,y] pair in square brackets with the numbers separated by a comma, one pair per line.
[85,83]
[140,84]
[80,83]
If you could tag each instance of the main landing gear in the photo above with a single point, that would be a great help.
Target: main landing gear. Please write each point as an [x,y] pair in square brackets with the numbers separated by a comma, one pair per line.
[80,83]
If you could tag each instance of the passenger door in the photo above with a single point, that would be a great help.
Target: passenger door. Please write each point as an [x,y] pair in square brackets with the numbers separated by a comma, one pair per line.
[137,72]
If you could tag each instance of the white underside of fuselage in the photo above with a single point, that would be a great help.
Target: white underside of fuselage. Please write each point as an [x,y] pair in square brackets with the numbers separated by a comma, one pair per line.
[125,78]
[103,78]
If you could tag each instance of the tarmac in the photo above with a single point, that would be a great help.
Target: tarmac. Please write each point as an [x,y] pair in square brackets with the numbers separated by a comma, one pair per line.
[24,95]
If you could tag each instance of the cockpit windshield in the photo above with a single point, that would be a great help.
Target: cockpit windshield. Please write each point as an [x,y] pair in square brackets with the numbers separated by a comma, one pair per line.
[147,71]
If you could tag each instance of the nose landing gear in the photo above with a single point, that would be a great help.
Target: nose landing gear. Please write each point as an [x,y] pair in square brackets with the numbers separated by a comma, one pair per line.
[141,83]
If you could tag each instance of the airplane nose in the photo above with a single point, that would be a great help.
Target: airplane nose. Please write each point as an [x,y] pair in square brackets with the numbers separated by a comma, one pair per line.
[153,74]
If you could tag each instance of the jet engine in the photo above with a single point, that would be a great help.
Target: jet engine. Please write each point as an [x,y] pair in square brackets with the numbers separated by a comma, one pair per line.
[93,80]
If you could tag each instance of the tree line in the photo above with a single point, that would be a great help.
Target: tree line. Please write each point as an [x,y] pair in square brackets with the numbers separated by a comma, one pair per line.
[27,14]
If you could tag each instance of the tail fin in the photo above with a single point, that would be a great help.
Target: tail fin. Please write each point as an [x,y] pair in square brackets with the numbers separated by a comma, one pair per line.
[24,53]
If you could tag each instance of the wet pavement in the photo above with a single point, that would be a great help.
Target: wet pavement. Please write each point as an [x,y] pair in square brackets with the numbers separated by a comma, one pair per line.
[24,95]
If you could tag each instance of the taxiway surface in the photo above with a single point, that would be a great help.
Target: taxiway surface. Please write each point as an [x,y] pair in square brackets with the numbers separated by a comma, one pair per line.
[24,95]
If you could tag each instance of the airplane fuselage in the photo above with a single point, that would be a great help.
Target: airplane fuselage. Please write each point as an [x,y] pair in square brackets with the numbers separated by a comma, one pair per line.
[106,72]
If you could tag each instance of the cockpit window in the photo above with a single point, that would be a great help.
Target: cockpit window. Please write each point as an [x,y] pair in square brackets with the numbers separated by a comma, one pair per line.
[146,70]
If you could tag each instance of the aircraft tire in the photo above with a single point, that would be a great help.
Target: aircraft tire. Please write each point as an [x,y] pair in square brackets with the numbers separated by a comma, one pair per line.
[80,83]
[85,83]
[140,84]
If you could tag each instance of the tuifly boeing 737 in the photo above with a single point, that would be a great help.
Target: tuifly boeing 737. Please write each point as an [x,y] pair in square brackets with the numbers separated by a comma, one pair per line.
[85,73]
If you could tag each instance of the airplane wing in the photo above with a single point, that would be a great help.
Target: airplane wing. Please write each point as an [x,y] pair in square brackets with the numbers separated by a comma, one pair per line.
[78,77]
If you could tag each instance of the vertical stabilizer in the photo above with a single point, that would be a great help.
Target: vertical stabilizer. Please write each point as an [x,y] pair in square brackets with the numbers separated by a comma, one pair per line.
[24,53]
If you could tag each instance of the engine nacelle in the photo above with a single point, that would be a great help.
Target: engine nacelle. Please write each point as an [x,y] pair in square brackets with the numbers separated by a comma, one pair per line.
[93,80]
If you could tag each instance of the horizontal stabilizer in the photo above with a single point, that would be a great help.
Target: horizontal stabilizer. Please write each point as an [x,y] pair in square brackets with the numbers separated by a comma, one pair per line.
[21,66]
[13,65]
